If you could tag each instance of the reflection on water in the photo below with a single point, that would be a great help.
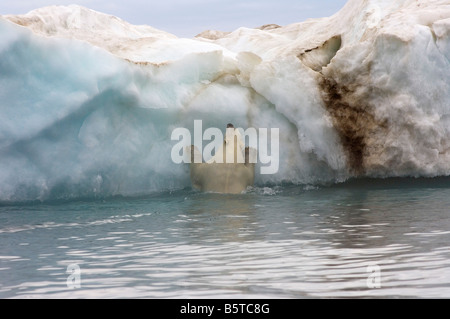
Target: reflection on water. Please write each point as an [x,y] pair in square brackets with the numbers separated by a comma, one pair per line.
[218,218]
[289,242]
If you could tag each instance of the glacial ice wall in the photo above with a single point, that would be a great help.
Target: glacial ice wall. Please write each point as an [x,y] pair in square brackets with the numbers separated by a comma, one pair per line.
[88,102]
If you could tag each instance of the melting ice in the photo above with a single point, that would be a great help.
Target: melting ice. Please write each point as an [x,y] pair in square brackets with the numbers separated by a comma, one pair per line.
[88,102]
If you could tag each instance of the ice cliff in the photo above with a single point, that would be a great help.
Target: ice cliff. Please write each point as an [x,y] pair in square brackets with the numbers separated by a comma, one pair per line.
[88,102]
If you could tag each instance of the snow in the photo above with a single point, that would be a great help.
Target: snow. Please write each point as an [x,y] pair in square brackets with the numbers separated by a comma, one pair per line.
[88,101]
[134,43]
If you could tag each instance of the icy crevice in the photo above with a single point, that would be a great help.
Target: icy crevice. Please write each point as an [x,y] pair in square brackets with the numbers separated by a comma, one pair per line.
[319,57]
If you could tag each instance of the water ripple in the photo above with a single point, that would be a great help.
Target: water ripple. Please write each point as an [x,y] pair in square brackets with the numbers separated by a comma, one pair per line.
[183,248]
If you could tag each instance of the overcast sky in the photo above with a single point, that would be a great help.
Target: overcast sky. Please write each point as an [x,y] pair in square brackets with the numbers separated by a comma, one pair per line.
[187,18]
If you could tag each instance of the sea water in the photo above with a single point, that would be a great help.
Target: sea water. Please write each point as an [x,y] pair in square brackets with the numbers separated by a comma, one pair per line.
[361,239]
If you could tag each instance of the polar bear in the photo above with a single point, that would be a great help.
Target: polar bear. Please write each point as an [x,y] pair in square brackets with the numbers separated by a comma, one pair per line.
[232,148]
[230,171]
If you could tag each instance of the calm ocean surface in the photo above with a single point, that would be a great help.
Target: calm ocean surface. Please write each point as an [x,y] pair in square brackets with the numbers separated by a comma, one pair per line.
[277,242]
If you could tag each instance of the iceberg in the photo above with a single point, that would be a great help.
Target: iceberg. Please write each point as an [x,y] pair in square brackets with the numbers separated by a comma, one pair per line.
[88,101]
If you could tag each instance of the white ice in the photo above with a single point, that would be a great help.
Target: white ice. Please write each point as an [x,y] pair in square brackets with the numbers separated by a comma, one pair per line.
[88,102]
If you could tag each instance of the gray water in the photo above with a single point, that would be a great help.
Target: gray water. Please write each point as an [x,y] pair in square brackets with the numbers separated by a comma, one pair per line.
[366,239]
